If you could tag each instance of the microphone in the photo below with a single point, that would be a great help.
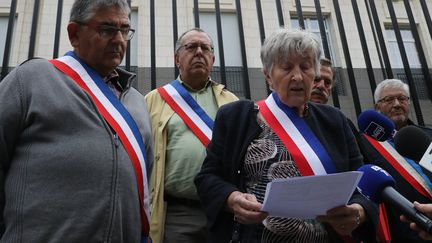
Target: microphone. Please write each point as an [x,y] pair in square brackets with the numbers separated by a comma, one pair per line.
[413,143]
[377,185]
[376,125]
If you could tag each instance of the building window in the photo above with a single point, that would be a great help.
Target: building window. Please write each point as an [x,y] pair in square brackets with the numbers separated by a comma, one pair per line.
[230,34]
[413,60]
[133,43]
[410,48]
[312,25]
[3,28]
[4,22]
[232,50]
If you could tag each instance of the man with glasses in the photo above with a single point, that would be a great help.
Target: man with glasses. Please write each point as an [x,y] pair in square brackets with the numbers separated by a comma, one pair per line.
[413,182]
[392,99]
[182,114]
[75,139]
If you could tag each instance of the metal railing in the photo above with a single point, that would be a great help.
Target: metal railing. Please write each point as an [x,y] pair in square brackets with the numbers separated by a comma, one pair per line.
[237,78]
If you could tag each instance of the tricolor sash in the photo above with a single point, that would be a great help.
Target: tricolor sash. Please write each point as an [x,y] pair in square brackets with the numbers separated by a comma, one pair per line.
[307,151]
[398,162]
[179,99]
[118,118]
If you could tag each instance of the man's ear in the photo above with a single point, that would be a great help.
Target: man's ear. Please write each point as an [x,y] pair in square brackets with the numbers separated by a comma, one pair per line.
[73,30]
[376,107]
[176,60]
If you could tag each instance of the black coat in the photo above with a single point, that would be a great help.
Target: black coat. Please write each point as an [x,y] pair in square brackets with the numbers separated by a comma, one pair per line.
[235,128]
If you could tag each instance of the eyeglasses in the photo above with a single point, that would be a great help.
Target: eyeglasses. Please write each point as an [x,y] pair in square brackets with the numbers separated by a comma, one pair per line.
[108,32]
[192,47]
[390,99]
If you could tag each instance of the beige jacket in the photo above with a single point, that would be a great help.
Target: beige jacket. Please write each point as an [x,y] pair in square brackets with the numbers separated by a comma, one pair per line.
[160,113]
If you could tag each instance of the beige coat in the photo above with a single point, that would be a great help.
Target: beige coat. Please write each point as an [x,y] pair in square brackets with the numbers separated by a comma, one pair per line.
[160,113]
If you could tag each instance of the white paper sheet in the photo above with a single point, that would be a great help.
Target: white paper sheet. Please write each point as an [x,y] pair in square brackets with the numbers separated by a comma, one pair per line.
[426,160]
[309,196]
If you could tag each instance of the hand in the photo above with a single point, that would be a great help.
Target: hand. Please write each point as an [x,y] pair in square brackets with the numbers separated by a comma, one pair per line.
[344,219]
[426,209]
[245,207]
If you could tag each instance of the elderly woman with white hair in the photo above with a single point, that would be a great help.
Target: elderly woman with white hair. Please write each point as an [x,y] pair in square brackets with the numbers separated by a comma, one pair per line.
[253,144]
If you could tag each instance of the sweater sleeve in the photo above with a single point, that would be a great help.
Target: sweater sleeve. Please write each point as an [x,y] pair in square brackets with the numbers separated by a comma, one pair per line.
[11,125]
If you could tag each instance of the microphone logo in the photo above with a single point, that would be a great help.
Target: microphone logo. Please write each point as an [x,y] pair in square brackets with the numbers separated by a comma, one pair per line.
[379,169]
[375,130]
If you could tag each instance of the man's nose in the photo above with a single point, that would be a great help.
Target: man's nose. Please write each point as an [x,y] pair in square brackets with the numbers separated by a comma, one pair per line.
[199,50]
[319,84]
[396,102]
[118,36]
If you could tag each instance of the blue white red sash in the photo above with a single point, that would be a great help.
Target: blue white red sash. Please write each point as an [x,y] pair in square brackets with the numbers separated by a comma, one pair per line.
[305,148]
[401,165]
[118,118]
[179,99]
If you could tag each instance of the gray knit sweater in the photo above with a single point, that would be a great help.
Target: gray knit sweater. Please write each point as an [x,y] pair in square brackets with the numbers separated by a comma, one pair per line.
[64,176]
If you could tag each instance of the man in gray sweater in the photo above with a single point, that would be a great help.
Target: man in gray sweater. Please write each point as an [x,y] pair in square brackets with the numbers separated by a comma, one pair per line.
[75,142]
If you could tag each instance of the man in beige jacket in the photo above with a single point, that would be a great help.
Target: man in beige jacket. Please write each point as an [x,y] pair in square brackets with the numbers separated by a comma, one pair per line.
[182,114]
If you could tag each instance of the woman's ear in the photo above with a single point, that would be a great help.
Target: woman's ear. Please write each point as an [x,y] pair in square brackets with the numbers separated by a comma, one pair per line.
[266,73]
[267,77]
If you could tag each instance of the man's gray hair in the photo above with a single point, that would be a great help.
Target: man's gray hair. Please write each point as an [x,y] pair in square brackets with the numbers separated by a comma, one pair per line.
[390,84]
[83,10]
[179,41]
[283,43]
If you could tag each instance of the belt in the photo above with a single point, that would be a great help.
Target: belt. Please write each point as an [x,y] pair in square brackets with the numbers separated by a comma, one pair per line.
[183,201]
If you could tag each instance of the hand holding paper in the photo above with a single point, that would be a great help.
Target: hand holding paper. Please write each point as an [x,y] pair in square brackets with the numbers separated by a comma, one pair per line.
[245,207]
[309,196]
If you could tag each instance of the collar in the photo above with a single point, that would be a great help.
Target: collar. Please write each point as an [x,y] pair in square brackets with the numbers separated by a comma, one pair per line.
[113,79]
[112,76]
[409,122]
[209,82]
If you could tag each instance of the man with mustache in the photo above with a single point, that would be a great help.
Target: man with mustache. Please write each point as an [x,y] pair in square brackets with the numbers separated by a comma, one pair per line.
[323,84]
[75,139]
[182,114]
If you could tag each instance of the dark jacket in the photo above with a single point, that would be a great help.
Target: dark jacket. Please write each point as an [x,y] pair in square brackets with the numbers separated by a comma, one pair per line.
[234,129]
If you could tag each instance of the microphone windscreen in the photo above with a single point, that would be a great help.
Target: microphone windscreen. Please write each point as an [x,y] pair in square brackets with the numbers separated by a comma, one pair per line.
[373,182]
[376,125]
[412,142]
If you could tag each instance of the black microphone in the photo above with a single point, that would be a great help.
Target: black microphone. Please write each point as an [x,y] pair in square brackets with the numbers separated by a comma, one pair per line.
[376,125]
[412,142]
[378,185]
